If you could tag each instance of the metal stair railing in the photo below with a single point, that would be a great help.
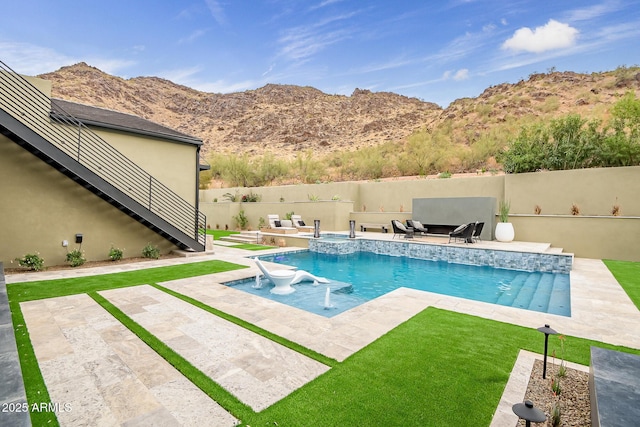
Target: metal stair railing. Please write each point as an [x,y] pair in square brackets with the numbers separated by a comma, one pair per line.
[34,109]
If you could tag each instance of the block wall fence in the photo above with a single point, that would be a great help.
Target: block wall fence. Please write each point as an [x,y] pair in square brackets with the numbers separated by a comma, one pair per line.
[594,233]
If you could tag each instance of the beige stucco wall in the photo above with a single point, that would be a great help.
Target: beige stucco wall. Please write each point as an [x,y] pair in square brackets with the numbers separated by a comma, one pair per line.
[594,191]
[40,207]
[592,234]
[334,215]
[174,164]
[585,236]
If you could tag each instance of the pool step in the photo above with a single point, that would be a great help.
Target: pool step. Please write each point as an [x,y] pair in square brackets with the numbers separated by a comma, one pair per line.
[507,297]
[540,300]
[559,293]
[527,291]
[254,237]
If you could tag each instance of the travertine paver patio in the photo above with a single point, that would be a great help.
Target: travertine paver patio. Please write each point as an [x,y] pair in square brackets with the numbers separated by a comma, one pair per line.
[600,310]
[256,370]
[100,373]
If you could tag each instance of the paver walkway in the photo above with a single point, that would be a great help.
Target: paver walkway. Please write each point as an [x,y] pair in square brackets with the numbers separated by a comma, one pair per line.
[100,373]
[256,370]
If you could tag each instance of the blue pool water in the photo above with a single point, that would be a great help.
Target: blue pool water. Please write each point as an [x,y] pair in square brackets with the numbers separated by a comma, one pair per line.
[362,276]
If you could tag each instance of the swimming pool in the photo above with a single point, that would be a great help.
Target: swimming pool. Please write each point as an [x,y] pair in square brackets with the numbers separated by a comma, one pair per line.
[362,276]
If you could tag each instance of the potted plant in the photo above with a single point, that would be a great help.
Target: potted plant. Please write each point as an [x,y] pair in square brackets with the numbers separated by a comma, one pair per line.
[504,229]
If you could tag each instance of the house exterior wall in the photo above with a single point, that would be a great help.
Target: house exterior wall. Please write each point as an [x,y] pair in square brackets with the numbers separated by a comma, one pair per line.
[40,207]
[174,164]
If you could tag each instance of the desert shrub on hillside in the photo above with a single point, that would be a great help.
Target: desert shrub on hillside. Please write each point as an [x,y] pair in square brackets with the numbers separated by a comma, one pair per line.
[573,142]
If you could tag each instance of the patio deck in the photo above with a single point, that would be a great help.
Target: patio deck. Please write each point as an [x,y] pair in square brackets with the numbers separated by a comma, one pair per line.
[601,310]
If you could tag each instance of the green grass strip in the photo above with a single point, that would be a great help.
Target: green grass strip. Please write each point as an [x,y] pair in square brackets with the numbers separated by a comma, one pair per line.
[253,328]
[35,388]
[627,273]
[28,291]
[217,234]
[197,377]
[439,368]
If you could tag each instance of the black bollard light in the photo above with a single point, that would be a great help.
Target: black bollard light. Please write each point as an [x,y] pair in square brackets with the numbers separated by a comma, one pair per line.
[352,229]
[546,330]
[528,413]
[316,228]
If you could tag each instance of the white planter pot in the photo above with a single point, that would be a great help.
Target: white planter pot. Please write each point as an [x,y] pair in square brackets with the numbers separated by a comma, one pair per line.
[504,232]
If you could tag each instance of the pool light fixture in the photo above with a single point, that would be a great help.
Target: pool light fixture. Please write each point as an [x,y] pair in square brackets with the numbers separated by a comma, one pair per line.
[546,330]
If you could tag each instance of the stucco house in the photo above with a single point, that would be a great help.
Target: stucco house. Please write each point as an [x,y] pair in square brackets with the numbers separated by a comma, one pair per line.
[76,176]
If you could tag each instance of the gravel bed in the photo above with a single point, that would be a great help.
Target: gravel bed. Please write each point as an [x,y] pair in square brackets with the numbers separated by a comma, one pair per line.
[575,404]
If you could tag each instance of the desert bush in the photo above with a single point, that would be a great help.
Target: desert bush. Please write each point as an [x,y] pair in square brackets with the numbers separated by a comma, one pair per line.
[308,169]
[241,220]
[115,254]
[75,258]
[151,251]
[31,261]
[550,105]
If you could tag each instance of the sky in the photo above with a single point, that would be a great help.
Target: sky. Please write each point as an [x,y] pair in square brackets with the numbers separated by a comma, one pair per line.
[434,51]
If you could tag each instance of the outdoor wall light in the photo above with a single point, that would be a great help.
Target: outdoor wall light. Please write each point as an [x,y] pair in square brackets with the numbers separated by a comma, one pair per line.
[546,330]
[78,238]
[528,413]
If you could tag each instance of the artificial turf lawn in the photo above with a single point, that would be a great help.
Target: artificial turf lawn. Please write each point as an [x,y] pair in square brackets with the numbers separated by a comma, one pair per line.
[217,234]
[438,368]
[627,273]
[78,285]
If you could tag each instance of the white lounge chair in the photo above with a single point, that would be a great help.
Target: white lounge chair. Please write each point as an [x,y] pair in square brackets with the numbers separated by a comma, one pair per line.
[277,226]
[300,224]
[283,279]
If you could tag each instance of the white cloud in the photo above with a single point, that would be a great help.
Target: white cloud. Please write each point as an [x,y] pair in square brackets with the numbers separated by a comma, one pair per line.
[193,36]
[461,74]
[216,11]
[181,76]
[552,35]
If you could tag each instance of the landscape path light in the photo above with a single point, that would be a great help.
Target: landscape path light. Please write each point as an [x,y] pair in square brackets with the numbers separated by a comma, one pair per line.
[528,413]
[546,330]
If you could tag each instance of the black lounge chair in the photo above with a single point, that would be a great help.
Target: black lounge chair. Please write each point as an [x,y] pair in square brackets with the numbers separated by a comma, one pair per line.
[417,226]
[463,232]
[477,231]
[398,228]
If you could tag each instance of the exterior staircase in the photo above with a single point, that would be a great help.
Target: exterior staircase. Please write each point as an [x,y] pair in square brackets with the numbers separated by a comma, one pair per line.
[70,147]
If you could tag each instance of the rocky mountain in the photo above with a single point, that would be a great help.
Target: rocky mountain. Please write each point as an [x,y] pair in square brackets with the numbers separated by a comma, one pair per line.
[290,119]
[276,118]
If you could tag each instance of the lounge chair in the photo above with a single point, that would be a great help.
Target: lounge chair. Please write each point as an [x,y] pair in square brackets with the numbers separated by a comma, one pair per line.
[477,231]
[417,226]
[398,228]
[283,279]
[300,224]
[463,232]
[276,226]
